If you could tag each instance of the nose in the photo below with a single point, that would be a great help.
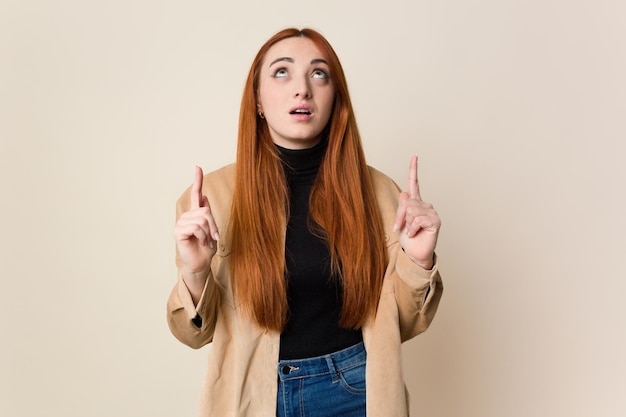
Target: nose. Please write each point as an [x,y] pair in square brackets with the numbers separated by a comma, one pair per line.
[302,87]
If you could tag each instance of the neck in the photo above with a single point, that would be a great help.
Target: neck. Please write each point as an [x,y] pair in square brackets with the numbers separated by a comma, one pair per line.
[302,164]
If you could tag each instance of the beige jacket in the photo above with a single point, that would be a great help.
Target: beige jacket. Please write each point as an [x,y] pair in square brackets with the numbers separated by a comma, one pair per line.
[241,380]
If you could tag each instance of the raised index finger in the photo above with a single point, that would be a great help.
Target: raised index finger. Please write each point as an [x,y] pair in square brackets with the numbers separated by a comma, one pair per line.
[196,189]
[414,187]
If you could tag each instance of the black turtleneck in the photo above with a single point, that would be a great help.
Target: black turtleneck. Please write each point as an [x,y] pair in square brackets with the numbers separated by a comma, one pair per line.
[314,296]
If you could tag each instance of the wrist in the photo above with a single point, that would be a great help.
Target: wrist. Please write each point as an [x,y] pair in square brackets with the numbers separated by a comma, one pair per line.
[427,265]
[194,275]
[195,281]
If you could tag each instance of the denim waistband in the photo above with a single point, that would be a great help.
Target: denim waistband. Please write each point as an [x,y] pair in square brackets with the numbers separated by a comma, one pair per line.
[331,363]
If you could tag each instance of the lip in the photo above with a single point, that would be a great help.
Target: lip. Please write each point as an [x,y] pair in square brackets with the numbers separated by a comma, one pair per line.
[301,116]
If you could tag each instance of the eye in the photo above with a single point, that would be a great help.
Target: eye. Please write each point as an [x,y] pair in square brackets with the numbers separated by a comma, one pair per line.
[320,74]
[280,73]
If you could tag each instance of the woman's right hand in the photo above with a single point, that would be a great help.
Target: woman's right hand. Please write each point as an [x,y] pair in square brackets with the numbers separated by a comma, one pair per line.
[196,235]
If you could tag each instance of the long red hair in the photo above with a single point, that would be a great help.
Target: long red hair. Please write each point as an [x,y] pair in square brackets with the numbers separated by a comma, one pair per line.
[342,203]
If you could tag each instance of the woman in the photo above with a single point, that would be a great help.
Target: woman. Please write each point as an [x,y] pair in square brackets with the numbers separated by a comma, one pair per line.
[305,268]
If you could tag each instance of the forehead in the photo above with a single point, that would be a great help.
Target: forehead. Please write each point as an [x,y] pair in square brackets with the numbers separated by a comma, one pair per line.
[298,48]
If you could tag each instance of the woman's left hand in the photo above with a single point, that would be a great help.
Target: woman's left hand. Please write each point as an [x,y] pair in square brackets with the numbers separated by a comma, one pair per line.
[418,223]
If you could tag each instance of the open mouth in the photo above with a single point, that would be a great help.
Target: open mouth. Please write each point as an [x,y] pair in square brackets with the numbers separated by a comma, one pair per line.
[300,111]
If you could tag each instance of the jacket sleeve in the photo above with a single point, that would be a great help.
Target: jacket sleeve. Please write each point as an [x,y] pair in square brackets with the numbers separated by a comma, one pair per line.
[418,293]
[192,325]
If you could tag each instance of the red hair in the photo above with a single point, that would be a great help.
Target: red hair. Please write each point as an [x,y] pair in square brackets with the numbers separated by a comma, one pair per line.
[342,203]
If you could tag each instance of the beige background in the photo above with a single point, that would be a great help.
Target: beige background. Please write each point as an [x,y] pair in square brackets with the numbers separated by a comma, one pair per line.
[516,108]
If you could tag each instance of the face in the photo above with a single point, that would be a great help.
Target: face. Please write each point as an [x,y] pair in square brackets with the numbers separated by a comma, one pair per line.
[296,93]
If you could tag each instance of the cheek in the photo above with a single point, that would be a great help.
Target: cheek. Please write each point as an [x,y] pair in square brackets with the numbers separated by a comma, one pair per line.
[267,96]
[328,104]
[272,100]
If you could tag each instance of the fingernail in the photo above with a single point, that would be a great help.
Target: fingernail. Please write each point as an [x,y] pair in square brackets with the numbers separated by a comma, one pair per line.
[211,245]
[216,236]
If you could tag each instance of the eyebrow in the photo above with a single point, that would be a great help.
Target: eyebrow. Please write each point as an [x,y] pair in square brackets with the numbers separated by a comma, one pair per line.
[291,60]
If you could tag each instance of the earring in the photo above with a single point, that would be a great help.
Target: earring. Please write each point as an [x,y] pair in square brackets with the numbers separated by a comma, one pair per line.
[261,115]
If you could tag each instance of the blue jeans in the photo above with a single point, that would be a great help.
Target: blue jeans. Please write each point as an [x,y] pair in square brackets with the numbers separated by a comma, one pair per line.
[331,385]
